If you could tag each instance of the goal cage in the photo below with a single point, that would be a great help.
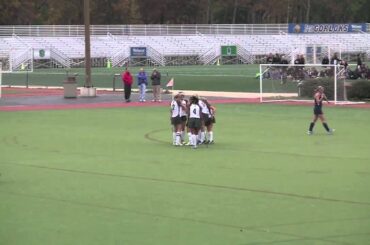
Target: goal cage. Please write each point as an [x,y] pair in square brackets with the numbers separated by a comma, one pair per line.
[297,83]
[12,64]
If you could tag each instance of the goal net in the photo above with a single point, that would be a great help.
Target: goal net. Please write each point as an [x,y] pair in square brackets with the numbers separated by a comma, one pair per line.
[280,82]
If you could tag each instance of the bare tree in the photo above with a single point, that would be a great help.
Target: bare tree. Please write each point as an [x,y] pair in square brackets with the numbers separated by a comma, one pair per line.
[235,10]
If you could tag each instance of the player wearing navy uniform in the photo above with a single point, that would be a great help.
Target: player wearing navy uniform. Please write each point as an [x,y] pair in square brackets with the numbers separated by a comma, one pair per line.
[319,97]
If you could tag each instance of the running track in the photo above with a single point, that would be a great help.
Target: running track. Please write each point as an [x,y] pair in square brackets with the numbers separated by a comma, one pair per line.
[58,93]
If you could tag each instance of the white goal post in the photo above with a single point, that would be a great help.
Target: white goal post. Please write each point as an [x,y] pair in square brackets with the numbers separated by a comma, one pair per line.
[1,79]
[287,82]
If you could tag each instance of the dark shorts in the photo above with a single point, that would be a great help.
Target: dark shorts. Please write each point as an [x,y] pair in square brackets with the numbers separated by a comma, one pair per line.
[204,117]
[194,123]
[207,121]
[184,118]
[317,110]
[210,121]
[176,120]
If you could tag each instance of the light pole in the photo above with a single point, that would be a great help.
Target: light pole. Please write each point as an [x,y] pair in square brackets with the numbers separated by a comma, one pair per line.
[88,83]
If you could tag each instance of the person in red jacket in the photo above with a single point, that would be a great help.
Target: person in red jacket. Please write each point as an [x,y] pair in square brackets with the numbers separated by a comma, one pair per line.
[127,83]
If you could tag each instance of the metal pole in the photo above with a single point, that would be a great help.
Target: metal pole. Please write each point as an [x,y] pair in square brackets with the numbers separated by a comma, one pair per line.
[335,84]
[261,98]
[1,77]
[88,83]
[27,82]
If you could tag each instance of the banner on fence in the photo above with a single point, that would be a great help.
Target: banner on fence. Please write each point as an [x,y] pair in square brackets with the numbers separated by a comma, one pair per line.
[327,28]
[228,50]
[41,54]
[138,51]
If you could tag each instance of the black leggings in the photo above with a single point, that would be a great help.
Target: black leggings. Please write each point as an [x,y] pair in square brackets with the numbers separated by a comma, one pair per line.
[127,89]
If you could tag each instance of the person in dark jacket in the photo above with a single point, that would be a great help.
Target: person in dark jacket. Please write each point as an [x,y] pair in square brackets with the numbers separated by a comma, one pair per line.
[127,83]
[156,85]
[142,82]
[334,59]
[325,60]
[359,63]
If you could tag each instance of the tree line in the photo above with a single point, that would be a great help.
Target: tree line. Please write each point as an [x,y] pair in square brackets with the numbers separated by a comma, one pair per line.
[70,12]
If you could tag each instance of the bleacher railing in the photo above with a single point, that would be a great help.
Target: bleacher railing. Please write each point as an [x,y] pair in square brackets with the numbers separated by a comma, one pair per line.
[142,30]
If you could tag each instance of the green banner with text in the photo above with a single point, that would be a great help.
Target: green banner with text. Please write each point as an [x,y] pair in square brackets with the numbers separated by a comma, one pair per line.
[228,50]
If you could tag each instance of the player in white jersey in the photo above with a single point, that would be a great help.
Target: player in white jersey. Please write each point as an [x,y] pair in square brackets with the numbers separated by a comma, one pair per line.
[194,122]
[208,122]
[175,112]
[184,116]
[205,115]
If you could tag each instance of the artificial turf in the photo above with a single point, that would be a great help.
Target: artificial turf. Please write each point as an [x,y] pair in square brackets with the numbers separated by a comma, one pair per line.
[111,176]
[217,78]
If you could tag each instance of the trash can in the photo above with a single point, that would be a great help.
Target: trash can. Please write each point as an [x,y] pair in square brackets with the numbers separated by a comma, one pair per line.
[70,87]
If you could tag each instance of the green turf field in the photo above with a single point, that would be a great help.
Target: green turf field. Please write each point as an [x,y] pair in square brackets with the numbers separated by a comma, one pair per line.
[111,176]
[233,78]
[216,78]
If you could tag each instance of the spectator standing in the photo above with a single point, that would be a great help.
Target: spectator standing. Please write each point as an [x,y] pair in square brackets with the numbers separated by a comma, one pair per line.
[297,60]
[284,69]
[142,82]
[325,60]
[127,83]
[269,58]
[156,85]
[334,59]
[359,62]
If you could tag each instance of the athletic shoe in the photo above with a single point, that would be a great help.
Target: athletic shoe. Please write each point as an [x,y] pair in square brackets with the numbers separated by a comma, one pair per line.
[331,131]
[187,143]
[194,147]
[159,100]
[144,100]
[211,142]
[309,132]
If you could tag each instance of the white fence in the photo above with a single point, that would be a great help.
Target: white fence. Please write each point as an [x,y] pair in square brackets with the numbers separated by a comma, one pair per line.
[142,30]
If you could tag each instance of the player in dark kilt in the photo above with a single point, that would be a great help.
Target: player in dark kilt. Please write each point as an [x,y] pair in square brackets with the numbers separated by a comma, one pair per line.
[209,121]
[194,122]
[176,121]
[184,116]
[319,97]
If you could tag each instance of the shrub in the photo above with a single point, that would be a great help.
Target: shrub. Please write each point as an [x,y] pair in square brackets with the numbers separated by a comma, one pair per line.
[356,89]
[308,86]
[359,90]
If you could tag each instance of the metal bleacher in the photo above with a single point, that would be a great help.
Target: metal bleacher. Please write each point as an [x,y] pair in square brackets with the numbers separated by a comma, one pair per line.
[202,41]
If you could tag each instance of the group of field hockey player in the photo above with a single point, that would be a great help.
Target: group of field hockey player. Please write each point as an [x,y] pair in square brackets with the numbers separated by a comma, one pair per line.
[194,117]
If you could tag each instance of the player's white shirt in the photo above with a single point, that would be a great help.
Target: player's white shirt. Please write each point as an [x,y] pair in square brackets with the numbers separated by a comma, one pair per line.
[175,109]
[204,107]
[194,111]
[183,112]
